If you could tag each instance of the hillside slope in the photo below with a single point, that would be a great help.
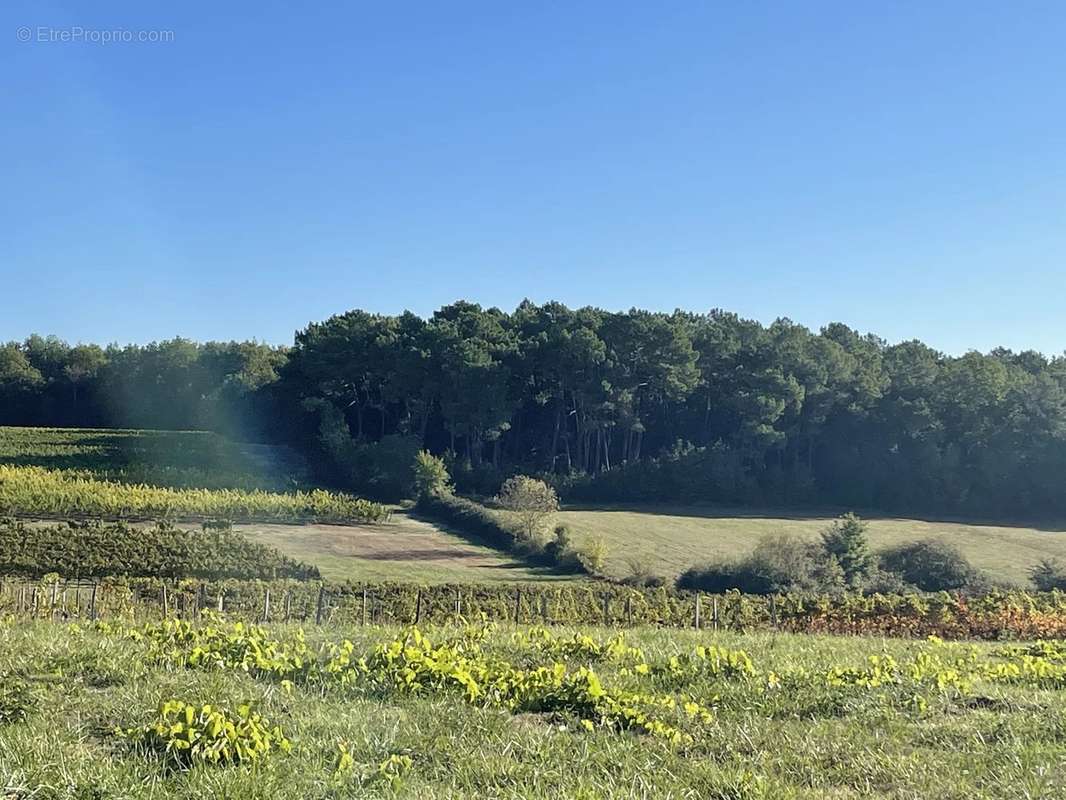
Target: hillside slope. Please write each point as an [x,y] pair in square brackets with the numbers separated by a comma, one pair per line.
[670,539]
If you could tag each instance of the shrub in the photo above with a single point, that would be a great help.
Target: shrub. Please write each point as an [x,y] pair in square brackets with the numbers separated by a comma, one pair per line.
[777,564]
[1049,574]
[480,524]
[720,577]
[930,565]
[430,475]
[878,581]
[561,550]
[468,518]
[593,555]
[639,573]
[845,540]
[531,500]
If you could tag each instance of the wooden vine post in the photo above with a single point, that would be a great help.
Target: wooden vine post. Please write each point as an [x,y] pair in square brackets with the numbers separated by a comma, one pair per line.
[318,608]
[699,597]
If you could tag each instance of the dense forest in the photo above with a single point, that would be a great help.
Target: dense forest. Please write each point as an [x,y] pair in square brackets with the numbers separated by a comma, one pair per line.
[613,406]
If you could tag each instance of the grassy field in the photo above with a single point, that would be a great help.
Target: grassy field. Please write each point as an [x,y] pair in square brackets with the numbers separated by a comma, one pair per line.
[116,474]
[172,459]
[666,539]
[671,539]
[402,549]
[762,717]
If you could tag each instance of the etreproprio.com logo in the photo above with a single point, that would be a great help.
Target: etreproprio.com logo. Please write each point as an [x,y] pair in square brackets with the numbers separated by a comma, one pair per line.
[77,34]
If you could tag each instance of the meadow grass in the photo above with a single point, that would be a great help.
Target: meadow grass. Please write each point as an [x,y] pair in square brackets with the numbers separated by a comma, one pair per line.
[995,741]
[669,539]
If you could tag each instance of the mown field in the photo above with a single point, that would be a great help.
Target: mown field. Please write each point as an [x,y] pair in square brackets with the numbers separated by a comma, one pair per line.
[526,713]
[402,549]
[670,539]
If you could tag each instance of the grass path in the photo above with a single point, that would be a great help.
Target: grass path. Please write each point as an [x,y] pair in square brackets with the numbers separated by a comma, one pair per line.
[403,549]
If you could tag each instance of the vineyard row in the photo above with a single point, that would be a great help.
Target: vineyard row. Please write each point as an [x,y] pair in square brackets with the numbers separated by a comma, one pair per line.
[995,616]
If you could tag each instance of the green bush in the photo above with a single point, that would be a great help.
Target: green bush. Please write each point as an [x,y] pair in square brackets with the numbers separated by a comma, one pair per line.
[845,540]
[430,475]
[560,549]
[1049,574]
[777,564]
[930,565]
[532,501]
[639,573]
[478,523]
[593,555]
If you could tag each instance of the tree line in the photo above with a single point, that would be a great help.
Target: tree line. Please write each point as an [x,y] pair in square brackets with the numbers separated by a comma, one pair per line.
[610,406]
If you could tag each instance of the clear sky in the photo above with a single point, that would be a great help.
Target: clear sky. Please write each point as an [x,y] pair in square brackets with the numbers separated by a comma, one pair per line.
[898,166]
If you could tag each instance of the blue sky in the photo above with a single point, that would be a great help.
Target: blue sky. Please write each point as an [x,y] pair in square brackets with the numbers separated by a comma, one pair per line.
[900,167]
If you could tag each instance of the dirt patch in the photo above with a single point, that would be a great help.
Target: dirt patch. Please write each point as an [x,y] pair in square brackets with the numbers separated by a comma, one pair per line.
[400,539]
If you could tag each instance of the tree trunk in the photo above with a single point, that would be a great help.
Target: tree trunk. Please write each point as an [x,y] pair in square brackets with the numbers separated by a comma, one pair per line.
[555,433]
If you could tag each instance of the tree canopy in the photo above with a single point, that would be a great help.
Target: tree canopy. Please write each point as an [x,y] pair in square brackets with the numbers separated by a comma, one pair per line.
[632,405]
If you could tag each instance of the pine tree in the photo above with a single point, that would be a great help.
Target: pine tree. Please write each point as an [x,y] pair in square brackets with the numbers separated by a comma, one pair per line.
[845,540]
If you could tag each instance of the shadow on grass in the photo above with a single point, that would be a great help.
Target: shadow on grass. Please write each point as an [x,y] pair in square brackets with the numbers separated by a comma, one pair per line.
[514,562]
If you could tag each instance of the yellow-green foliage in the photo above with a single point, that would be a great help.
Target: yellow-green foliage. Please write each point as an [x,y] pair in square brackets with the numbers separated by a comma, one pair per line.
[475,711]
[187,734]
[411,664]
[581,646]
[177,459]
[41,492]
